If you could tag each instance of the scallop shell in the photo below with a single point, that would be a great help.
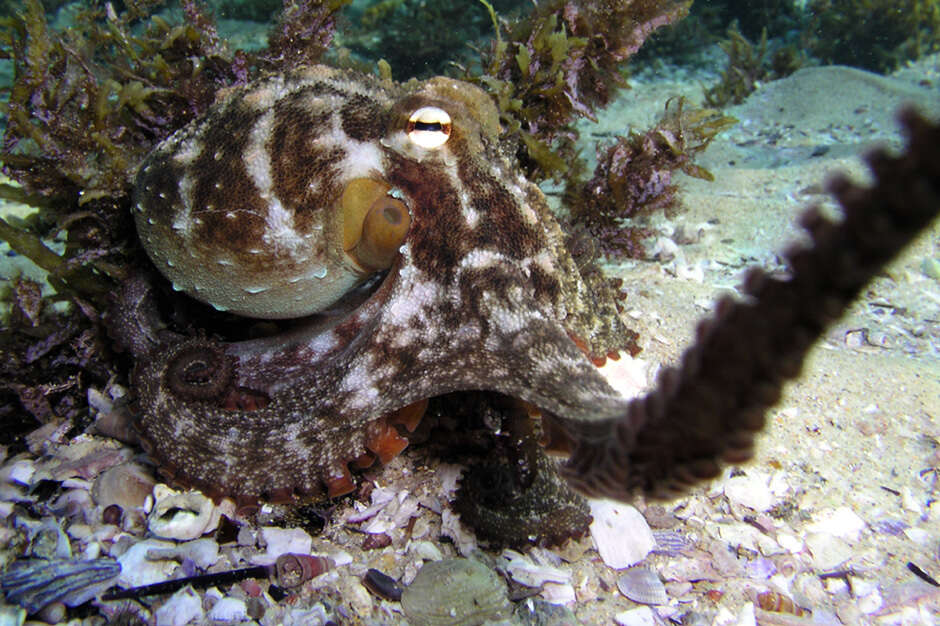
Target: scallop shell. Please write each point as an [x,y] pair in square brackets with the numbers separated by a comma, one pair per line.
[35,583]
[642,585]
[457,592]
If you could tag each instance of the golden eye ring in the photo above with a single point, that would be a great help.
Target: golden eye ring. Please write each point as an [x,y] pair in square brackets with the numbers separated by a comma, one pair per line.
[429,127]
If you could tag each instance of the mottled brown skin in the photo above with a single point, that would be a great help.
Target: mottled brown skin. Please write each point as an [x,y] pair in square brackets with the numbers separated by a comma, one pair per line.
[482,295]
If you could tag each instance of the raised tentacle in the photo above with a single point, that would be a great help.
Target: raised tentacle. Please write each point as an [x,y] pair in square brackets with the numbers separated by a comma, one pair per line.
[705,411]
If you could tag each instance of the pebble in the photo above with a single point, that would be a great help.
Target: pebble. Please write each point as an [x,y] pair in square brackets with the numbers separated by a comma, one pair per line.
[19,472]
[558,593]
[828,552]
[930,266]
[12,615]
[621,535]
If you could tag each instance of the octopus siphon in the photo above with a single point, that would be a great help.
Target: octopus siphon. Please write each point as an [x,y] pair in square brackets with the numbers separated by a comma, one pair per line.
[392,222]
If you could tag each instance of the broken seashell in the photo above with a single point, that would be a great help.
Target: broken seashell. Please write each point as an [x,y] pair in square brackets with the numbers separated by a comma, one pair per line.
[126,485]
[35,583]
[183,607]
[229,610]
[181,516]
[751,490]
[621,535]
[47,540]
[640,616]
[278,541]
[642,585]
[139,569]
[202,552]
[456,591]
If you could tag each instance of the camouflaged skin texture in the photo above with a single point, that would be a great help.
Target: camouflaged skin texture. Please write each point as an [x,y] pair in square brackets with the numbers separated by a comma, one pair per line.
[482,295]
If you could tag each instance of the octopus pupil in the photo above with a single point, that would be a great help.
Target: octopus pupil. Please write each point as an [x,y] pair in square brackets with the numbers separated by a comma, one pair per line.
[436,127]
[392,215]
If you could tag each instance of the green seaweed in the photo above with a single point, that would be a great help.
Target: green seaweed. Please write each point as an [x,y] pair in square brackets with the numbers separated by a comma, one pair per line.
[561,63]
[90,101]
[748,66]
[633,177]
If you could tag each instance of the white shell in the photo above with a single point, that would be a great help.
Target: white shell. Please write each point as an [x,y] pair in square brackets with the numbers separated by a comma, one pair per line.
[181,516]
[621,535]
[642,585]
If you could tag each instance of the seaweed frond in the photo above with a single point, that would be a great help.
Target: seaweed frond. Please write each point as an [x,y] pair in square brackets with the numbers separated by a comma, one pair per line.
[561,63]
[748,66]
[633,177]
[303,32]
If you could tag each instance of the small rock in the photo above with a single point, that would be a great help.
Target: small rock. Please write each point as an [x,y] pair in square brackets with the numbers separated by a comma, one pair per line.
[558,593]
[537,612]
[871,602]
[930,266]
[746,616]
[18,472]
[621,535]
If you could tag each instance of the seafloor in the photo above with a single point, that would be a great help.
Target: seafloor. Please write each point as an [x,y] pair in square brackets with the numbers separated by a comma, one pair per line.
[838,507]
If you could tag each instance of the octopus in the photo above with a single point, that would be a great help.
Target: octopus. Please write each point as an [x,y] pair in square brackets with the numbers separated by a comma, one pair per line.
[392,222]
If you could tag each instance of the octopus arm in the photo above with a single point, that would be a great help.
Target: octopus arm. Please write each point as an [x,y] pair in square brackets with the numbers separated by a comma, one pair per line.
[705,411]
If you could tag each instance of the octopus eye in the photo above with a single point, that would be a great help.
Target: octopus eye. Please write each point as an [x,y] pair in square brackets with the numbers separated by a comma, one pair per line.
[375,222]
[429,127]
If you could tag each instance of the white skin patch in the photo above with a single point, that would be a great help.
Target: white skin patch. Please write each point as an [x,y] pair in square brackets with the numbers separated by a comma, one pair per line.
[280,232]
[361,158]
[481,258]
[413,301]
